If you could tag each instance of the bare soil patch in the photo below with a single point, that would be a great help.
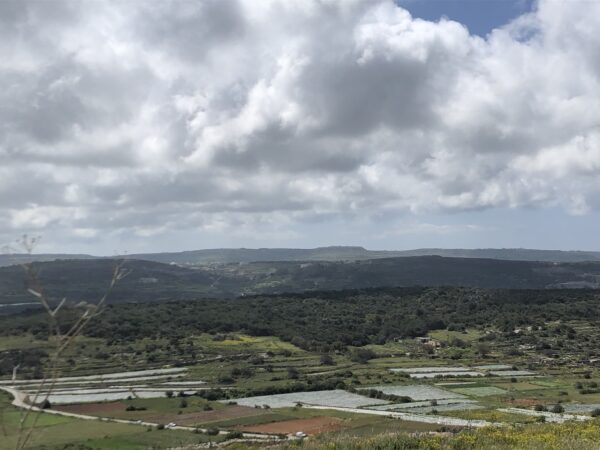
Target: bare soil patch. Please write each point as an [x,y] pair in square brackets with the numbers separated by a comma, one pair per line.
[314,425]
[92,408]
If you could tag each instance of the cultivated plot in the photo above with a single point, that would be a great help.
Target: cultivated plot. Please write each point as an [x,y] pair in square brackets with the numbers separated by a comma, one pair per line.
[418,392]
[334,398]
[480,391]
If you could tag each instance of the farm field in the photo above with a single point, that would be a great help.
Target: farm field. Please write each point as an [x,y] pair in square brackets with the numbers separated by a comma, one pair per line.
[216,394]
[211,386]
[315,425]
[53,431]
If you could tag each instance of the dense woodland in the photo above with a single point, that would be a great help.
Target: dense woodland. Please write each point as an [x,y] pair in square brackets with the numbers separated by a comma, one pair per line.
[148,281]
[325,321]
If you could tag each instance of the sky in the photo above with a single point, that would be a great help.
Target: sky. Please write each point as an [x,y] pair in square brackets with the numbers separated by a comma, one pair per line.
[162,126]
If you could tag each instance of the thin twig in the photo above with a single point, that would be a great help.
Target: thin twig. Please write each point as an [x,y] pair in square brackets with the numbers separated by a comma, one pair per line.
[64,341]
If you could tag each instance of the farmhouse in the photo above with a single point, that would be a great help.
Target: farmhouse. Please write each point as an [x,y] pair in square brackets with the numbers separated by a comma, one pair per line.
[430,342]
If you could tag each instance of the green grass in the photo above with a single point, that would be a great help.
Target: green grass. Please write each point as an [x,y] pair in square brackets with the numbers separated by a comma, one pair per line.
[157,406]
[240,342]
[54,431]
[469,335]
[155,439]
[482,391]
[372,425]
[73,431]
[22,342]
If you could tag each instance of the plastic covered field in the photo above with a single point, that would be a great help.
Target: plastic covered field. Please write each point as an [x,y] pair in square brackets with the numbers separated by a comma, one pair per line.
[418,392]
[512,373]
[335,398]
[431,369]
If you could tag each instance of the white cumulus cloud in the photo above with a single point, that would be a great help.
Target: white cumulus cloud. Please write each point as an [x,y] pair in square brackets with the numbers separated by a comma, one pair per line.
[148,118]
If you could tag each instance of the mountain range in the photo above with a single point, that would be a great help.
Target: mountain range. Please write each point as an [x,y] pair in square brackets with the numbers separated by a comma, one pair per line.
[150,281]
[334,253]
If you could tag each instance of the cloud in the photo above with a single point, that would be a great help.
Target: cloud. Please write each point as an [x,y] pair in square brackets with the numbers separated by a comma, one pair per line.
[148,118]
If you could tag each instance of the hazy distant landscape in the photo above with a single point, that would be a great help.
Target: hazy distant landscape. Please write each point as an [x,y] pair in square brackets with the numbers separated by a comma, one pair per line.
[339,253]
[156,281]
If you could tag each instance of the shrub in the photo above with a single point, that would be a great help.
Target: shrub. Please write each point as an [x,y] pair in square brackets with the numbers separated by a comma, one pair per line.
[362,355]
[234,435]
[327,360]
[558,409]
[212,394]
[135,408]
[212,431]
[169,394]
[595,412]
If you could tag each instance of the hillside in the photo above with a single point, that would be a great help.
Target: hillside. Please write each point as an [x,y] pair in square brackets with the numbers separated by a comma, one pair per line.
[340,253]
[151,281]
[334,253]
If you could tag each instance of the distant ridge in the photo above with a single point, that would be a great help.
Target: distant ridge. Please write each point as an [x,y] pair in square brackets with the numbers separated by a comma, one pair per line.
[333,253]
[150,281]
[12,259]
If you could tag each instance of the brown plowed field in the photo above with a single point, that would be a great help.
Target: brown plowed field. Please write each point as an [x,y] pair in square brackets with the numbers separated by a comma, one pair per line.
[313,425]
[92,408]
[186,419]
[230,412]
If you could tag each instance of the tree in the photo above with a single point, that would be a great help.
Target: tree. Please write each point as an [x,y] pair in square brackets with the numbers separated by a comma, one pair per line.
[327,360]
[362,355]
[169,394]
[483,349]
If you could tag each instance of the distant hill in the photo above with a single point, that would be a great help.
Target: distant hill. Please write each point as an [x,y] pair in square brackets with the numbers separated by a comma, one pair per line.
[21,258]
[151,281]
[234,255]
[335,253]
[341,253]
[510,254]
